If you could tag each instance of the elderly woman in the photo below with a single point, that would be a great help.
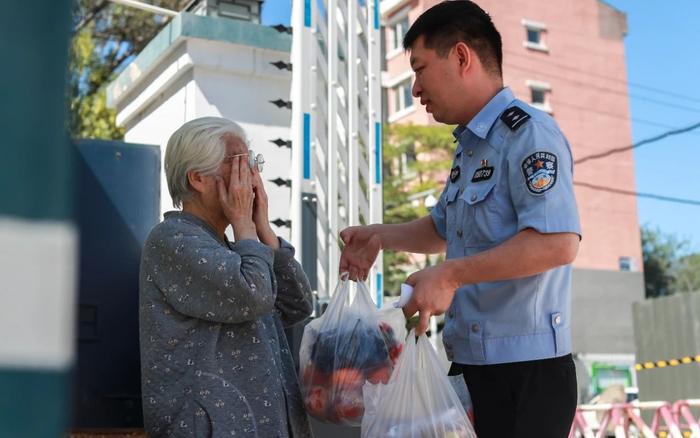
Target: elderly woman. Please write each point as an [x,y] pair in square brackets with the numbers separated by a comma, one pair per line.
[215,361]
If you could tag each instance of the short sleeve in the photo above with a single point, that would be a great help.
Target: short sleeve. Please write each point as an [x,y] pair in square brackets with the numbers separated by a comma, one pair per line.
[540,178]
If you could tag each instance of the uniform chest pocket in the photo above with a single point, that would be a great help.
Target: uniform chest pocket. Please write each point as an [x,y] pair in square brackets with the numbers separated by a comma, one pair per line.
[451,194]
[452,214]
[482,221]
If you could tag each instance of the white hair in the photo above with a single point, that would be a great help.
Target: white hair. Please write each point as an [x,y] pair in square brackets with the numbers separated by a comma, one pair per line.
[199,145]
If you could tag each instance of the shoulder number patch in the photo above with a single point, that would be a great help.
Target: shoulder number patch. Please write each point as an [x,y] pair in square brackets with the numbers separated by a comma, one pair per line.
[514,117]
[540,172]
[482,174]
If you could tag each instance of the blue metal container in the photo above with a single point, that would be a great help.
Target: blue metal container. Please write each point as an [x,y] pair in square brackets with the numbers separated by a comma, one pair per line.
[118,202]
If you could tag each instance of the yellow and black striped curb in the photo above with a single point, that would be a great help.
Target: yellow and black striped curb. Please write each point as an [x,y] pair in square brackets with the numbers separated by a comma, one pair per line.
[667,363]
[686,434]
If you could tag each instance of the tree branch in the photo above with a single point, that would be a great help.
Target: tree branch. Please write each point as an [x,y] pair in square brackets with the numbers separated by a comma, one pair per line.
[95,11]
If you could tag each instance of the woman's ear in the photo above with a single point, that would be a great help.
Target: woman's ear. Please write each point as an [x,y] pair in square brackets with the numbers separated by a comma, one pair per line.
[197,181]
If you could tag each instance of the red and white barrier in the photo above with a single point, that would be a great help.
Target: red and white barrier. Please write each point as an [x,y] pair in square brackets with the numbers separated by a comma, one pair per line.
[673,420]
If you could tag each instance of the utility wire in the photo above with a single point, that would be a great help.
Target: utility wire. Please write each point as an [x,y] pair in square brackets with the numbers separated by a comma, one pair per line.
[603,89]
[661,136]
[638,144]
[618,116]
[638,194]
[660,91]
[609,90]
[608,78]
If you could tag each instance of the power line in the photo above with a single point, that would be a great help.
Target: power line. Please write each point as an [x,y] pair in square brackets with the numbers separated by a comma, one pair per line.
[605,89]
[660,125]
[617,116]
[613,115]
[661,102]
[608,78]
[638,194]
[638,144]
[660,91]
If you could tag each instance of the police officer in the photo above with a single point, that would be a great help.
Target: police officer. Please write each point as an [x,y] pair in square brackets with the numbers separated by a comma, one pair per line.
[509,223]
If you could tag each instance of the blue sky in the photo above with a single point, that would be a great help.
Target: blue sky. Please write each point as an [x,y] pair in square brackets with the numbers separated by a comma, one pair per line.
[276,12]
[662,54]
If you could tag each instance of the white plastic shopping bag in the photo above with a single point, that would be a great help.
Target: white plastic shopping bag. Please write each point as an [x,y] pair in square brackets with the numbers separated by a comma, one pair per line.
[418,401]
[350,344]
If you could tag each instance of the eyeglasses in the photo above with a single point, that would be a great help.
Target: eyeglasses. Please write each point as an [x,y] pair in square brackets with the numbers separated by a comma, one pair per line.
[254,161]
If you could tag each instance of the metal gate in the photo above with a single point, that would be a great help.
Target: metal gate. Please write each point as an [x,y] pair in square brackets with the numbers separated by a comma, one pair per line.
[336,127]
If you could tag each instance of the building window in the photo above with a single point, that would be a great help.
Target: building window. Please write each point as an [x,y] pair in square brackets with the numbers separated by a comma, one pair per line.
[396,26]
[535,35]
[539,95]
[402,96]
[399,30]
[627,264]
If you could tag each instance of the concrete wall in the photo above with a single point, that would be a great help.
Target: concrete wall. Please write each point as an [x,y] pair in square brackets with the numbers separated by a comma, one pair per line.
[668,328]
[602,310]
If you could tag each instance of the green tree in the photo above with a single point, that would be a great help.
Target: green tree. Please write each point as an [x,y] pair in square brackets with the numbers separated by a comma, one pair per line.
[412,156]
[106,37]
[688,275]
[668,267]
[659,253]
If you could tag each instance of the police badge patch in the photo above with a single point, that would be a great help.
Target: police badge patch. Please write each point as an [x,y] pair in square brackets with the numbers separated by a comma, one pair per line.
[540,171]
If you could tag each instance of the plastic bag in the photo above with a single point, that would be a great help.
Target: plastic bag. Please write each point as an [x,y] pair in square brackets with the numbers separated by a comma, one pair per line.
[462,392]
[347,346]
[419,400]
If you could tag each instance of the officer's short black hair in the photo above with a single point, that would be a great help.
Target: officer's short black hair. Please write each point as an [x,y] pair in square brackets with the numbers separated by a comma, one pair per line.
[454,21]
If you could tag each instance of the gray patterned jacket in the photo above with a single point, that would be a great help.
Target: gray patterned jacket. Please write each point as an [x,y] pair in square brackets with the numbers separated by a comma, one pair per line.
[214,358]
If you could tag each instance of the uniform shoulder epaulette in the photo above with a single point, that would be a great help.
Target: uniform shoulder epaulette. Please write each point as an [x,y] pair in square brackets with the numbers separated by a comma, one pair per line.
[514,117]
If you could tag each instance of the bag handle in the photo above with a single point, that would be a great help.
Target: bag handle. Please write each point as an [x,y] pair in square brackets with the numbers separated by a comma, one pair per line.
[363,299]
[340,297]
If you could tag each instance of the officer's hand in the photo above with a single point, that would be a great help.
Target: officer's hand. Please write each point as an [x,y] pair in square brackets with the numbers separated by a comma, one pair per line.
[433,290]
[362,244]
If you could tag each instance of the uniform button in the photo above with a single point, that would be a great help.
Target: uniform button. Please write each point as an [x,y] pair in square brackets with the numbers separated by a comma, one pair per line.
[459,232]
[450,356]
[476,328]
[451,313]
[448,346]
[470,153]
[557,319]
[473,198]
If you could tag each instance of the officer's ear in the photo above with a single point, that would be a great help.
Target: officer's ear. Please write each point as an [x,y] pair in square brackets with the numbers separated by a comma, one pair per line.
[464,56]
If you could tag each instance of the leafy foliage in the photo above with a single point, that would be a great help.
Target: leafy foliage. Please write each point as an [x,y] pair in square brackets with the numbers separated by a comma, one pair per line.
[106,37]
[668,268]
[687,277]
[416,161]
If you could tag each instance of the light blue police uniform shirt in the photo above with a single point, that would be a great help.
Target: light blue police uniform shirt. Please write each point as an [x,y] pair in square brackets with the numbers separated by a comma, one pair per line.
[512,170]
